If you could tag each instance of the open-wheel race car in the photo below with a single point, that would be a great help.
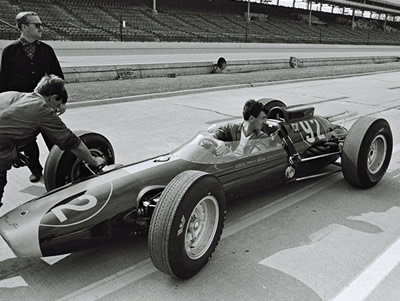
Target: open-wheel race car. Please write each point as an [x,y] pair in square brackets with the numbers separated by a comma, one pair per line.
[179,198]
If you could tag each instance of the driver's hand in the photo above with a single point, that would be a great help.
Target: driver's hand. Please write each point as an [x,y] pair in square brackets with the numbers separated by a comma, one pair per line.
[221,148]
[61,109]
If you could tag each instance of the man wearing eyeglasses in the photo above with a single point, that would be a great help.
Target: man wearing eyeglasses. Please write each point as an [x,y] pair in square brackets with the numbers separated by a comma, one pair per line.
[23,63]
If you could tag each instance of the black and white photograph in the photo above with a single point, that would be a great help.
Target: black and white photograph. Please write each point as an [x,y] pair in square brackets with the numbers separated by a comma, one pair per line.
[199,150]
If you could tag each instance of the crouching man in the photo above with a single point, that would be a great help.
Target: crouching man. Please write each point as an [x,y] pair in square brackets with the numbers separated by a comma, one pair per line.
[24,115]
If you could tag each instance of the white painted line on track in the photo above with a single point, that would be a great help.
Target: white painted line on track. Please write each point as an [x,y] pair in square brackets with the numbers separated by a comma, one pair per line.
[368,280]
[396,148]
[112,283]
[117,281]
[14,282]
[364,284]
[51,260]
[279,205]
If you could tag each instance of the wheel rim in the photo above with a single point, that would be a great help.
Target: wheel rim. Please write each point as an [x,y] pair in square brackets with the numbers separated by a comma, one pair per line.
[201,228]
[377,154]
[79,170]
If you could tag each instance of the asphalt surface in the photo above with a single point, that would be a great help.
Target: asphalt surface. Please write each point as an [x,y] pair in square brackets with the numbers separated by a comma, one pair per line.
[314,240]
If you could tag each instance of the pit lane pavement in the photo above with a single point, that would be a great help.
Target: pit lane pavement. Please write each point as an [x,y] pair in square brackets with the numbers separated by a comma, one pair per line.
[309,248]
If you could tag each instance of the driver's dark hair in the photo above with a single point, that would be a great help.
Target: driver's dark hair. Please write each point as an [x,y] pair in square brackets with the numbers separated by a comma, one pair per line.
[52,85]
[252,107]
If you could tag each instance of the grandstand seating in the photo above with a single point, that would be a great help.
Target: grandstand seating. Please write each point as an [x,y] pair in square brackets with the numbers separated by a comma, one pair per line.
[191,20]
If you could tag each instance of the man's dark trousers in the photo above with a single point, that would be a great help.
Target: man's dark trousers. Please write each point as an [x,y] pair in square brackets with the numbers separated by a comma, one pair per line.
[31,150]
[3,182]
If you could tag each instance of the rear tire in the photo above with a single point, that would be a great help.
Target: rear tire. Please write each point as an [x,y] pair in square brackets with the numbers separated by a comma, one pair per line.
[272,107]
[63,167]
[187,223]
[367,152]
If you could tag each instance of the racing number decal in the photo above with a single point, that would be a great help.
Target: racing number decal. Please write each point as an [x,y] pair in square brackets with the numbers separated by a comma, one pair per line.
[91,202]
[78,208]
[311,127]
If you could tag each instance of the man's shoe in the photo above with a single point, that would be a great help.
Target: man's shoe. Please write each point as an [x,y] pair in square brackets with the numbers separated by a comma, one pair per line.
[35,178]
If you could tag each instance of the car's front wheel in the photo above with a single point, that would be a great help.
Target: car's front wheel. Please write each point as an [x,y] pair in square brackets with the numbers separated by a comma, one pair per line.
[367,152]
[63,167]
[187,223]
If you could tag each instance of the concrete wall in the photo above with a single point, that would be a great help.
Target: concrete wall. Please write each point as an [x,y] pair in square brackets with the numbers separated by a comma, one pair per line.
[99,73]
[113,72]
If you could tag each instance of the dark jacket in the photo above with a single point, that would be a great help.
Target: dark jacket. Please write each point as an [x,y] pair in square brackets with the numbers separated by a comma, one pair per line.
[22,117]
[19,73]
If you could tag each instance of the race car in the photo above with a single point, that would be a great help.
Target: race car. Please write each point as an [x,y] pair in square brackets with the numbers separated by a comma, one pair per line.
[179,198]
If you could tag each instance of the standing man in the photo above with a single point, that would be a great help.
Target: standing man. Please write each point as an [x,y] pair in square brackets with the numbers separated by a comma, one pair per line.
[23,63]
[24,115]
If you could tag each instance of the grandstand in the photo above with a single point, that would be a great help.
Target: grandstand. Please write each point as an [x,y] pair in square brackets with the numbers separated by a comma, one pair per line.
[205,21]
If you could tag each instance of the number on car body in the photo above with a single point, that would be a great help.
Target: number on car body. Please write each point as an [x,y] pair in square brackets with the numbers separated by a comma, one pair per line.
[311,127]
[91,202]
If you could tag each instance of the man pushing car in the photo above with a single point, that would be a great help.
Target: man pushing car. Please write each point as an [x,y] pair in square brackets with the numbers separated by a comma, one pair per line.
[24,115]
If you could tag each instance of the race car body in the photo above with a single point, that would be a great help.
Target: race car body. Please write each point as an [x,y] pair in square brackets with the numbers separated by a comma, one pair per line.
[73,214]
[180,198]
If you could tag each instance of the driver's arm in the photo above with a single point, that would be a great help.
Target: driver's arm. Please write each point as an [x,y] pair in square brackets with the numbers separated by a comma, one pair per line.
[219,137]
[221,148]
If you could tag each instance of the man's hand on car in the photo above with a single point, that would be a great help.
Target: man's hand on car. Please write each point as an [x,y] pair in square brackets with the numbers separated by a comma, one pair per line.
[100,162]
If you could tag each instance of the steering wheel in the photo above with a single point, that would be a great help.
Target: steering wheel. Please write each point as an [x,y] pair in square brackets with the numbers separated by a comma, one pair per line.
[210,145]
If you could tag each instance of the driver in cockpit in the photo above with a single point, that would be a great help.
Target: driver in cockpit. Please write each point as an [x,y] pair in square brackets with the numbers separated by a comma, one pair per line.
[246,137]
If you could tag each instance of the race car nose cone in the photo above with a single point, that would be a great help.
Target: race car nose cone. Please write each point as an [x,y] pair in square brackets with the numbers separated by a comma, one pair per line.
[20,232]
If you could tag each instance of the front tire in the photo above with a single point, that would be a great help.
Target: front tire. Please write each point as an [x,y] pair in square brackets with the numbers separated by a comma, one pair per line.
[187,224]
[367,152]
[63,167]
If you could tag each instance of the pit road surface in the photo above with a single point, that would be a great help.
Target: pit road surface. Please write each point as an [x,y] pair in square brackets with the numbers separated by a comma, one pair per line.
[313,240]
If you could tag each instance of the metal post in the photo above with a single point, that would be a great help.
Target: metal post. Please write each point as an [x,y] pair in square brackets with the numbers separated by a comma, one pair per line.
[246,31]
[154,6]
[247,20]
[320,35]
[120,28]
[248,10]
[384,24]
[309,15]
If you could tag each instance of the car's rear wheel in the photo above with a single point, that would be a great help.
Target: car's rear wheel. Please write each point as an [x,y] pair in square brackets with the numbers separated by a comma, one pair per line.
[187,223]
[367,152]
[63,167]
[272,107]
